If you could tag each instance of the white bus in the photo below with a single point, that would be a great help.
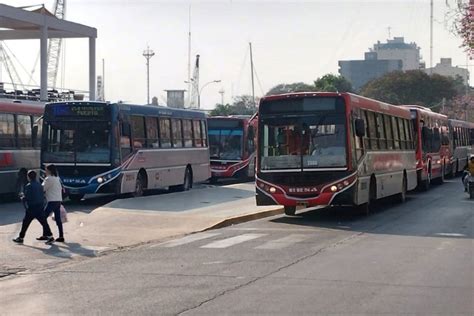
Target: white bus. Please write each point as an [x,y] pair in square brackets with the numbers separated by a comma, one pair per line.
[121,148]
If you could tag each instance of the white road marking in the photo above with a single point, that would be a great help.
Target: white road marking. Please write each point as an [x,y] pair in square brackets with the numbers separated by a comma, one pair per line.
[450,235]
[224,243]
[186,240]
[283,242]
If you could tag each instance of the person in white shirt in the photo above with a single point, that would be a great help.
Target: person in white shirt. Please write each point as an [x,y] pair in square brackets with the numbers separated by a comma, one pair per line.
[53,192]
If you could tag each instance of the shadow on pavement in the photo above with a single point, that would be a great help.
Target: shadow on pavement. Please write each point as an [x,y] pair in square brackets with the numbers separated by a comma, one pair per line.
[422,217]
[65,250]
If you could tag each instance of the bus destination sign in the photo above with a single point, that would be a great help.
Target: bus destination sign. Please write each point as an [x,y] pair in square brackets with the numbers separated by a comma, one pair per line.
[79,110]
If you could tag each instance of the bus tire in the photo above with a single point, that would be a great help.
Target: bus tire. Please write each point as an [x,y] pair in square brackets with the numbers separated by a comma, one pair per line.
[187,182]
[290,210]
[425,184]
[440,180]
[139,185]
[368,207]
[402,196]
[76,197]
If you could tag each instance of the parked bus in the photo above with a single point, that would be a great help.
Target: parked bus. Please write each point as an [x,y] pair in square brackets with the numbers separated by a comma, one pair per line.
[323,149]
[433,149]
[232,146]
[462,144]
[121,148]
[19,146]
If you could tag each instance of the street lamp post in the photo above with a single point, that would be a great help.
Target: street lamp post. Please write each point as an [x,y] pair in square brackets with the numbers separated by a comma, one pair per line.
[148,54]
[202,88]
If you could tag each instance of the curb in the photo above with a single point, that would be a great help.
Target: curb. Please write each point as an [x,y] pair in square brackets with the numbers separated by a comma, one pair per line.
[245,218]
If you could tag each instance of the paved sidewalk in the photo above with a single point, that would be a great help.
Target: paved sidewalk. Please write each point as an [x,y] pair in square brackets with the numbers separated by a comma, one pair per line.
[134,221]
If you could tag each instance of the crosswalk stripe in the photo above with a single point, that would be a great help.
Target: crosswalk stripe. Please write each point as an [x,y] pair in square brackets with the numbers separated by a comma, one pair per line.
[224,243]
[186,240]
[283,242]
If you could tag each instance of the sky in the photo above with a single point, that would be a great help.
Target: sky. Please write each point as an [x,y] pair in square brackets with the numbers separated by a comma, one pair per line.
[293,41]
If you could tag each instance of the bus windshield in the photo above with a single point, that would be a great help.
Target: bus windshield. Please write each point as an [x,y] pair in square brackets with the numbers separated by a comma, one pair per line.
[77,142]
[226,144]
[303,134]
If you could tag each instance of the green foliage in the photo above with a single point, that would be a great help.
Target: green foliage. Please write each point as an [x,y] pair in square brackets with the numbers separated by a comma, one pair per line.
[242,105]
[332,83]
[411,87]
[327,83]
[292,87]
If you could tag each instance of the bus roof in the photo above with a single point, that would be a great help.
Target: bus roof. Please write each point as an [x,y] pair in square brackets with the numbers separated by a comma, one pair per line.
[425,111]
[21,108]
[356,100]
[145,110]
[460,123]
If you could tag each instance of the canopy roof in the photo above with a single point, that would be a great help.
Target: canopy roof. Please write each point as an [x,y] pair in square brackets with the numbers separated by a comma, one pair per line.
[16,23]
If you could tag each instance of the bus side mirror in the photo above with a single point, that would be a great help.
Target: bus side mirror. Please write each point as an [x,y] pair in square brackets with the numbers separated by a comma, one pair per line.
[360,127]
[34,134]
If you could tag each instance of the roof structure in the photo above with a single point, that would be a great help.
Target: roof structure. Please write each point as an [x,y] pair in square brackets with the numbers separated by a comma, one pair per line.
[20,24]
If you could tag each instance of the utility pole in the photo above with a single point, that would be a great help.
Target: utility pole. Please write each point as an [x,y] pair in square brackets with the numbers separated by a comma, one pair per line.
[189,60]
[251,72]
[148,54]
[431,37]
[389,32]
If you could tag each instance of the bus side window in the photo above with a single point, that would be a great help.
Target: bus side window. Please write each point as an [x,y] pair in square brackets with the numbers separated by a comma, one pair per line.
[188,133]
[151,132]
[197,134]
[125,146]
[7,130]
[24,131]
[388,131]
[204,133]
[138,131]
[165,133]
[372,130]
[396,134]
[177,133]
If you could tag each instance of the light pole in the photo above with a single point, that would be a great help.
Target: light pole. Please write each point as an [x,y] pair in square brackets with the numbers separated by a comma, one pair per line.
[148,54]
[202,88]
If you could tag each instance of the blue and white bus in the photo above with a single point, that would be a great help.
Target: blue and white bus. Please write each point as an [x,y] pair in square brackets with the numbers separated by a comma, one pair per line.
[121,148]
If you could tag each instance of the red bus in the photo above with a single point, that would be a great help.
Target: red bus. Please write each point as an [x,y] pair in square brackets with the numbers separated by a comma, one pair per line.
[433,149]
[232,146]
[462,144]
[322,149]
[19,144]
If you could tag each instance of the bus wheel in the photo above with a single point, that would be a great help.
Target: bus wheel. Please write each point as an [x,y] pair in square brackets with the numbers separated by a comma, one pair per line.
[139,186]
[425,184]
[402,196]
[188,180]
[440,180]
[290,210]
[76,197]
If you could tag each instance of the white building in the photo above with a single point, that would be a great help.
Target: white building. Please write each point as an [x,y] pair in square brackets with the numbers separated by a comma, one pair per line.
[445,68]
[397,49]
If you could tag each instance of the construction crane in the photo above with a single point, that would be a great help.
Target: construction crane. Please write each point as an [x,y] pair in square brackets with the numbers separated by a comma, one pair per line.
[10,68]
[54,46]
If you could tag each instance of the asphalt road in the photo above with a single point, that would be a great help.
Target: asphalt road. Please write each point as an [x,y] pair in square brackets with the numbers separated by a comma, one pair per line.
[415,258]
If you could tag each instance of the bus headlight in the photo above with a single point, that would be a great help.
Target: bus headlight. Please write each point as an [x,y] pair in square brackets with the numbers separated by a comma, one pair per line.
[272,190]
[100,180]
[333,188]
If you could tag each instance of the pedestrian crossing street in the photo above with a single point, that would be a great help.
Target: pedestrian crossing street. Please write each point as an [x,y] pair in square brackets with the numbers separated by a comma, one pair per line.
[217,240]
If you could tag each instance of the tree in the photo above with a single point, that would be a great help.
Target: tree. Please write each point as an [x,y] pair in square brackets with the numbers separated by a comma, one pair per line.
[411,87]
[242,105]
[460,108]
[332,83]
[461,18]
[292,87]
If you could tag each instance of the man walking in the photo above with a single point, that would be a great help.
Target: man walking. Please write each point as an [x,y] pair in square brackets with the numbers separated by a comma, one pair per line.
[34,201]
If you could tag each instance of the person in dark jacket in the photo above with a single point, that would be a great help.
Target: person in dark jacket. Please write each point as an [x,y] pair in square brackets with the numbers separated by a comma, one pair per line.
[33,198]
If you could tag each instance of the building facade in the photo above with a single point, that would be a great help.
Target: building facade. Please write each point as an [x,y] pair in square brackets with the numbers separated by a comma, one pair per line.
[359,72]
[397,49]
[445,68]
